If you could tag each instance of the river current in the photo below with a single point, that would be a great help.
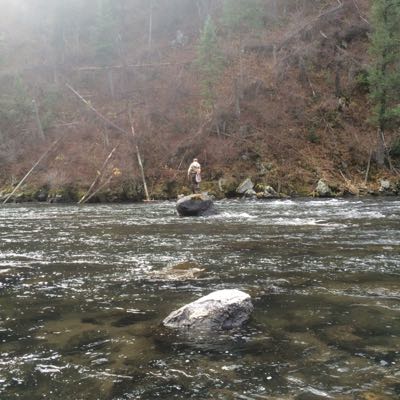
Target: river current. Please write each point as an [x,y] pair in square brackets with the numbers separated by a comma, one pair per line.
[83,291]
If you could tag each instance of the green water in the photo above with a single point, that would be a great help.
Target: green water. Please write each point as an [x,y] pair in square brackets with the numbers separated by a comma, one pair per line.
[83,291]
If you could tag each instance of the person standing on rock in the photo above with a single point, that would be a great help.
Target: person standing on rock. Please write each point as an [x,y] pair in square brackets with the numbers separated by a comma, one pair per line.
[194,175]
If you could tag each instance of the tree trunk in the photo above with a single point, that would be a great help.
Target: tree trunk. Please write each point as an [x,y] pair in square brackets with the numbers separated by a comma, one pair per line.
[31,170]
[273,5]
[380,149]
[338,85]
[237,98]
[368,168]
[108,122]
[111,83]
[38,122]
[150,25]
[139,158]
[106,137]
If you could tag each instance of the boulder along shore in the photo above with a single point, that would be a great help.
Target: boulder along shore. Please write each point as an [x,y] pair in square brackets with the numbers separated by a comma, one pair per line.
[250,188]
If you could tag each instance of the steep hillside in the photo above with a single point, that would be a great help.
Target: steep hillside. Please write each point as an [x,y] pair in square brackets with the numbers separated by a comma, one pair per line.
[286,104]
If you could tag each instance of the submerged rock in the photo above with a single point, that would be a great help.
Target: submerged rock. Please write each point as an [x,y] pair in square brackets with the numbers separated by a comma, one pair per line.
[195,205]
[86,339]
[183,271]
[220,310]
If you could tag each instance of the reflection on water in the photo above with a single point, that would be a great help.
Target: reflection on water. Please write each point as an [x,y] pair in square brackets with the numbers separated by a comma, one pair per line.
[83,291]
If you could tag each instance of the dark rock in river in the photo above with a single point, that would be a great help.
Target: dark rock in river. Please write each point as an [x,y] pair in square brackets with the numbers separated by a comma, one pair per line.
[195,205]
[87,339]
[42,195]
[132,318]
[220,310]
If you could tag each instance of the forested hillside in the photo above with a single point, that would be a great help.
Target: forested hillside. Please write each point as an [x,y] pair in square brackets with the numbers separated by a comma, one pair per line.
[281,91]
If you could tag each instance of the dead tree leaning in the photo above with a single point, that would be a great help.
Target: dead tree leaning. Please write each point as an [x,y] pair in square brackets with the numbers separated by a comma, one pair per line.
[32,169]
[119,129]
[85,197]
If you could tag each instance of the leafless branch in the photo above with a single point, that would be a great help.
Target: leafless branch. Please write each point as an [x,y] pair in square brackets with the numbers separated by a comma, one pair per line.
[359,12]
[96,68]
[99,175]
[101,116]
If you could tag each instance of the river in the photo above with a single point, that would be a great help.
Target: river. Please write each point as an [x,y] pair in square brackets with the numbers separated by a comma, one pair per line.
[82,295]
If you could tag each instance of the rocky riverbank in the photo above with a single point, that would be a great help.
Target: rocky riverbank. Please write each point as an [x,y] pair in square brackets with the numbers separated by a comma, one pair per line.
[218,189]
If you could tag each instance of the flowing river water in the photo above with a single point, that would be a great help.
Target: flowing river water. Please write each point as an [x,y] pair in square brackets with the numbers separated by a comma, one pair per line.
[83,291]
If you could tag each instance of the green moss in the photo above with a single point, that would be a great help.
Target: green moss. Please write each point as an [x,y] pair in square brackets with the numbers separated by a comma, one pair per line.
[65,194]
[260,187]
[5,190]
[212,188]
[229,186]
[168,190]
[312,137]
[159,192]
[25,194]
[302,189]
[395,149]
[130,190]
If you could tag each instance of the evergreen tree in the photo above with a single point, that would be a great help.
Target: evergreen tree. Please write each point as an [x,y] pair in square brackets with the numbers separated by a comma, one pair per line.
[106,31]
[209,61]
[384,74]
[243,15]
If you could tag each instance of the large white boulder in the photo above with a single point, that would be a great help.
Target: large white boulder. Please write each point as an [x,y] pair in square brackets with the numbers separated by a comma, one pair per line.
[220,310]
[322,189]
[245,186]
